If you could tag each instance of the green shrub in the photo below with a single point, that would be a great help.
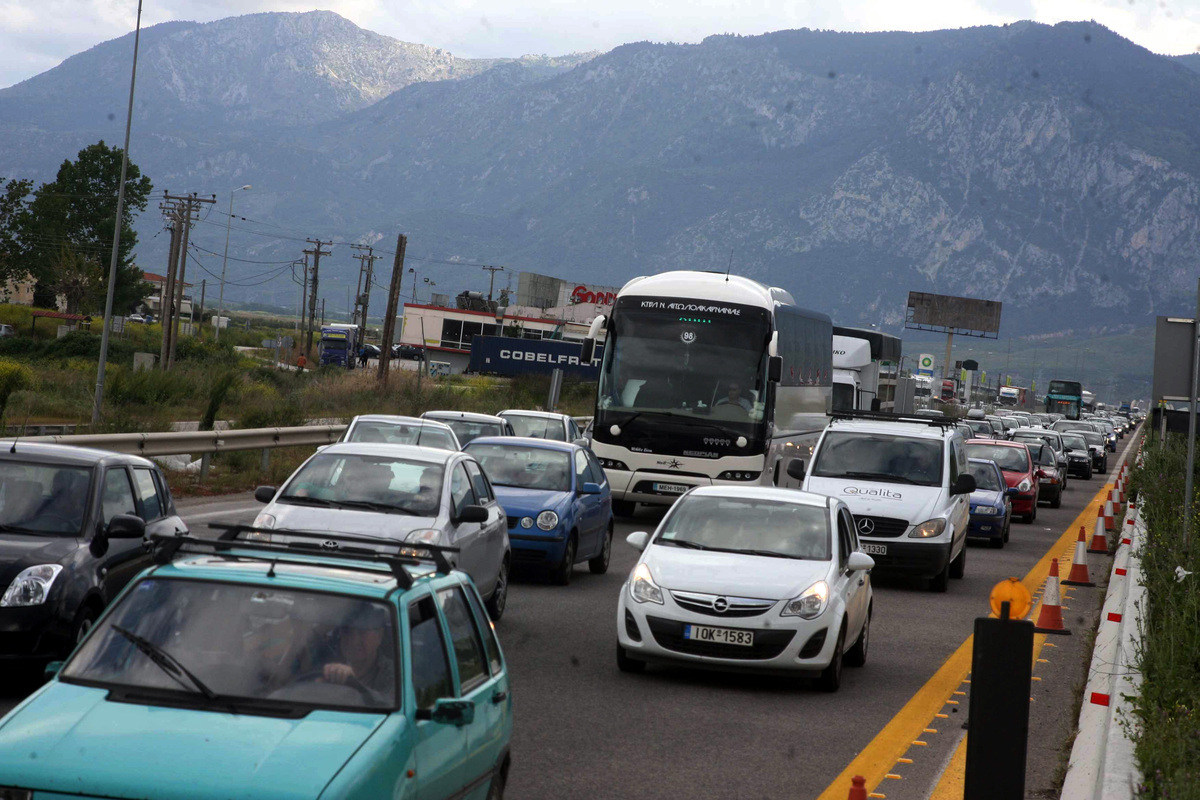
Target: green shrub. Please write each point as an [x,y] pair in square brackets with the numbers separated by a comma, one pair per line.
[14,377]
[220,387]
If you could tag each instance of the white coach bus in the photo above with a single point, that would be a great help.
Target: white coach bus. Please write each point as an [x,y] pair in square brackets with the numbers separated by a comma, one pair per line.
[706,379]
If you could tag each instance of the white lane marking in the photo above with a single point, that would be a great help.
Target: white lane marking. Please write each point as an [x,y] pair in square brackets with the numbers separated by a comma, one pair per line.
[225,512]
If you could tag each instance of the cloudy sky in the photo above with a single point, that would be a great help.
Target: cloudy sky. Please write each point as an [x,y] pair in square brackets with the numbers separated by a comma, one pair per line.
[35,35]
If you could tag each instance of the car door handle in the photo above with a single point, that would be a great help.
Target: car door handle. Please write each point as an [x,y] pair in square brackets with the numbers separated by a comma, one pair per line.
[499,697]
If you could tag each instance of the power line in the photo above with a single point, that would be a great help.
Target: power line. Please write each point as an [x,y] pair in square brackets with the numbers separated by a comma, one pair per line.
[243,260]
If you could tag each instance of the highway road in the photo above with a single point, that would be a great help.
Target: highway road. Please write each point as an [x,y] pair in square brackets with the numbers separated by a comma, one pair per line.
[583,729]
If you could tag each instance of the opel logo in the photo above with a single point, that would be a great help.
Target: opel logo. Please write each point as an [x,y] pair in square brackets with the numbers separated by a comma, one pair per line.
[329,544]
[866,526]
[720,605]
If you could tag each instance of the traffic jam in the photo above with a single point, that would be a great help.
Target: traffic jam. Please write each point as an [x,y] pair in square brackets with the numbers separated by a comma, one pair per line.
[348,642]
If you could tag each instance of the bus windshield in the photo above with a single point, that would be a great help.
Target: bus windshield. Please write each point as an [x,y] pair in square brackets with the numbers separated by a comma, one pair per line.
[662,357]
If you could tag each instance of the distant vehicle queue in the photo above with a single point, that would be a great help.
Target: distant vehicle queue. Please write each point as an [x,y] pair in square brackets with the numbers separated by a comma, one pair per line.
[371,582]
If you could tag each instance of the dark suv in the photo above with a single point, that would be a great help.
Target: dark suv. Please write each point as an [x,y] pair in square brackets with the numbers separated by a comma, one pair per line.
[72,526]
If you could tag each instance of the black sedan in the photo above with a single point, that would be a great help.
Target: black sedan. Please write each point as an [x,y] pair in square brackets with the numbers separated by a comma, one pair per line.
[72,526]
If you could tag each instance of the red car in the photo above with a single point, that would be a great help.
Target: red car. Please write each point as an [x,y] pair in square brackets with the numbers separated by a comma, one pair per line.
[1019,470]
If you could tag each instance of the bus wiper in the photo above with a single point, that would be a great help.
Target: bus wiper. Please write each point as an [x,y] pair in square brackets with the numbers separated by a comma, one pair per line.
[373,506]
[882,476]
[165,661]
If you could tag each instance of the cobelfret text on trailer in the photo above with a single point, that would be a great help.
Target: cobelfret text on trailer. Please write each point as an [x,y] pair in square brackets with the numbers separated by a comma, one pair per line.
[705,379]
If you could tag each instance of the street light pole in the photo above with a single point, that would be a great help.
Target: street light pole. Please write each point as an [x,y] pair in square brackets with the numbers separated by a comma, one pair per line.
[225,261]
[98,401]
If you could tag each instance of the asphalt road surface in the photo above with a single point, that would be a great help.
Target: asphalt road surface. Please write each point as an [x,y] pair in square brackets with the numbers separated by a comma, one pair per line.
[583,729]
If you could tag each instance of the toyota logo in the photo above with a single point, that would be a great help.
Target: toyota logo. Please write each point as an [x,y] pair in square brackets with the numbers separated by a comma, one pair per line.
[329,544]
[866,526]
[720,605]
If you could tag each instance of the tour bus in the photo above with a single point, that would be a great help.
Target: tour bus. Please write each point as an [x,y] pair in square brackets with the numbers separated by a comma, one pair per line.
[706,379]
[1065,397]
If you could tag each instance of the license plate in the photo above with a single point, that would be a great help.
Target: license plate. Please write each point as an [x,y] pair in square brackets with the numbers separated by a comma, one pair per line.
[671,488]
[874,549]
[703,633]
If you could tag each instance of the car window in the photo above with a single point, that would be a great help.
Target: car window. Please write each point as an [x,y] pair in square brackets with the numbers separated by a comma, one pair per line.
[581,468]
[536,427]
[461,493]
[430,665]
[845,544]
[853,531]
[595,471]
[464,638]
[523,466]
[495,662]
[483,491]
[1010,459]
[573,430]
[1047,458]
[118,495]
[748,525]
[370,480]
[164,491]
[43,498]
[953,464]
[985,476]
[148,493]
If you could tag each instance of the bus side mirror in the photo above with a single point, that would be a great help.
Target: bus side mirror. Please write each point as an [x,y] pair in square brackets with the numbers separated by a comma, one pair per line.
[875,404]
[775,369]
[587,351]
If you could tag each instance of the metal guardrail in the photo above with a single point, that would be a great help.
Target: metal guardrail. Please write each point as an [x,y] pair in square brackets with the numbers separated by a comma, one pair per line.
[200,442]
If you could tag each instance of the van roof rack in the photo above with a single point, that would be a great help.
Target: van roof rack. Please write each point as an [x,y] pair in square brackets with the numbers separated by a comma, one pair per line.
[850,415]
[341,547]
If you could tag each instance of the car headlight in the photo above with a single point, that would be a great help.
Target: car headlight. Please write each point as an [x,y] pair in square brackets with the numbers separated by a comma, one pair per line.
[642,587]
[421,536]
[13,793]
[31,587]
[928,529]
[526,522]
[1025,485]
[547,520]
[986,511]
[809,605]
[263,520]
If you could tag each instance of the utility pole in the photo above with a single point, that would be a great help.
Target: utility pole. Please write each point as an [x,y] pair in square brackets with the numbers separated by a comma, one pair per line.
[166,292]
[191,209]
[303,284]
[200,316]
[316,252]
[362,298]
[322,311]
[492,279]
[389,319]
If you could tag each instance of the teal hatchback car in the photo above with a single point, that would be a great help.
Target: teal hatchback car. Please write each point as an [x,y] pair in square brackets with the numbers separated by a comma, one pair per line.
[240,669]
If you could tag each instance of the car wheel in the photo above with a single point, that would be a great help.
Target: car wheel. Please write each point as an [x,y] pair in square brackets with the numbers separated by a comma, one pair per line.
[562,573]
[627,664]
[496,789]
[499,599]
[624,508]
[857,656]
[84,621]
[959,565]
[831,676]
[1087,476]
[941,581]
[996,543]
[1033,513]
[1057,501]
[1007,527]
[599,564]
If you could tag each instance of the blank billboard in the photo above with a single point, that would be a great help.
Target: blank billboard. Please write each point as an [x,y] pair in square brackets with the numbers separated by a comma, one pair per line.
[962,315]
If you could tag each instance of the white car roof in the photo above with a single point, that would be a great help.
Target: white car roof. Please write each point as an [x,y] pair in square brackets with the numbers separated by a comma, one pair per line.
[397,419]
[763,493]
[517,412]
[913,430]
[466,416]
[411,452]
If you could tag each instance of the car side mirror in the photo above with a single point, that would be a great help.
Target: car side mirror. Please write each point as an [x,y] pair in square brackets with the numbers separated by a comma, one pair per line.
[52,669]
[638,540]
[473,513]
[859,561]
[795,469]
[589,488]
[264,494]
[449,711]
[964,485]
[582,443]
[775,369]
[1013,491]
[126,526]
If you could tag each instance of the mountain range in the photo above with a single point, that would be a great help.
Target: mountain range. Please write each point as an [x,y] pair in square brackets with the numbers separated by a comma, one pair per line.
[1054,168]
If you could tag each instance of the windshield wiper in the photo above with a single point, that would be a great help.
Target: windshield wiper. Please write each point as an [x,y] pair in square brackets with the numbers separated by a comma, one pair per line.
[165,661]
[770,553]
[302,500]
[19,529]
[882,476]
[684,543]
[373,506]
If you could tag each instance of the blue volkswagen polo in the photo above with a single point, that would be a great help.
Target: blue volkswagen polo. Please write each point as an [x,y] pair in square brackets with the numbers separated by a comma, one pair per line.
[991,507]
[557,500]
[247,670]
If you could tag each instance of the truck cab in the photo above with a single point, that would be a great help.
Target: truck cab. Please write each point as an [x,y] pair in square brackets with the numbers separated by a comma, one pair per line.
[855,376]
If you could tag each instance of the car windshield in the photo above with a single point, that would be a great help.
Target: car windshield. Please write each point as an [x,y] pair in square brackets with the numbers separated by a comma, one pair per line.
[985,476]
[43,498]
[980,426]
[537,427]
[1009,459]
[1033,436]
[1092,438]
[385,432]
[1074,441]
[879,457]
[357,480]
[1009,424]
[263,644]
[467,431]
[748,525]
[524,467]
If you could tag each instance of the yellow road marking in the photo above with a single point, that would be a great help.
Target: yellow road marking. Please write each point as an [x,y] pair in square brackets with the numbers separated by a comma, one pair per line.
[904,761]
[896,737]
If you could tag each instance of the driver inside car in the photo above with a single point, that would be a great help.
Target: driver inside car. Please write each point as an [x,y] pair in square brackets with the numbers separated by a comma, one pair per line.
[363,654]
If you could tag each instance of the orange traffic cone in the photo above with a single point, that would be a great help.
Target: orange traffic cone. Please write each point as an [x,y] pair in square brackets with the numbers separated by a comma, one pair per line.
[858,788]
[1119,490]
[1050,613]
[1099,543]
[1109,522]
[1078,576]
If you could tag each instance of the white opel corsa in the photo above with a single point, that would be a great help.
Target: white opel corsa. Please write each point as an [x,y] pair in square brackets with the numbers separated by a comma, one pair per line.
[749,579]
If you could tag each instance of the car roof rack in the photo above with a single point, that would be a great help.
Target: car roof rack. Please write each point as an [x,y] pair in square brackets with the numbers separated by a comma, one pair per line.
[850,415]
[341,547]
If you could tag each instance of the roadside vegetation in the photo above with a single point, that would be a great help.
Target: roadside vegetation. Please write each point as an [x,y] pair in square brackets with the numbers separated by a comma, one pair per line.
[1168,708]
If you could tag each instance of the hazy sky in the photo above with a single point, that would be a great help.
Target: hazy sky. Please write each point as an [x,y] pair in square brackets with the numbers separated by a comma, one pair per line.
[35,35]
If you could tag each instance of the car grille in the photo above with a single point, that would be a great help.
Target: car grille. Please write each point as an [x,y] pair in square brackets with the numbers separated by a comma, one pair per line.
[885,527]
[734,606]
[522,556]
[767,644]
[513,522]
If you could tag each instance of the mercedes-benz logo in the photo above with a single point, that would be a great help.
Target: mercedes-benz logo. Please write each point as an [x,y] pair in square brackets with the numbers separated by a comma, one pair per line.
[866,526]
[329,544]
[720,605]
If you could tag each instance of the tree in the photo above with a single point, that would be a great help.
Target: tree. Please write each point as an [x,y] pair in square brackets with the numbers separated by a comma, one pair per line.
[14,218]
[78,278]
[77,210]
